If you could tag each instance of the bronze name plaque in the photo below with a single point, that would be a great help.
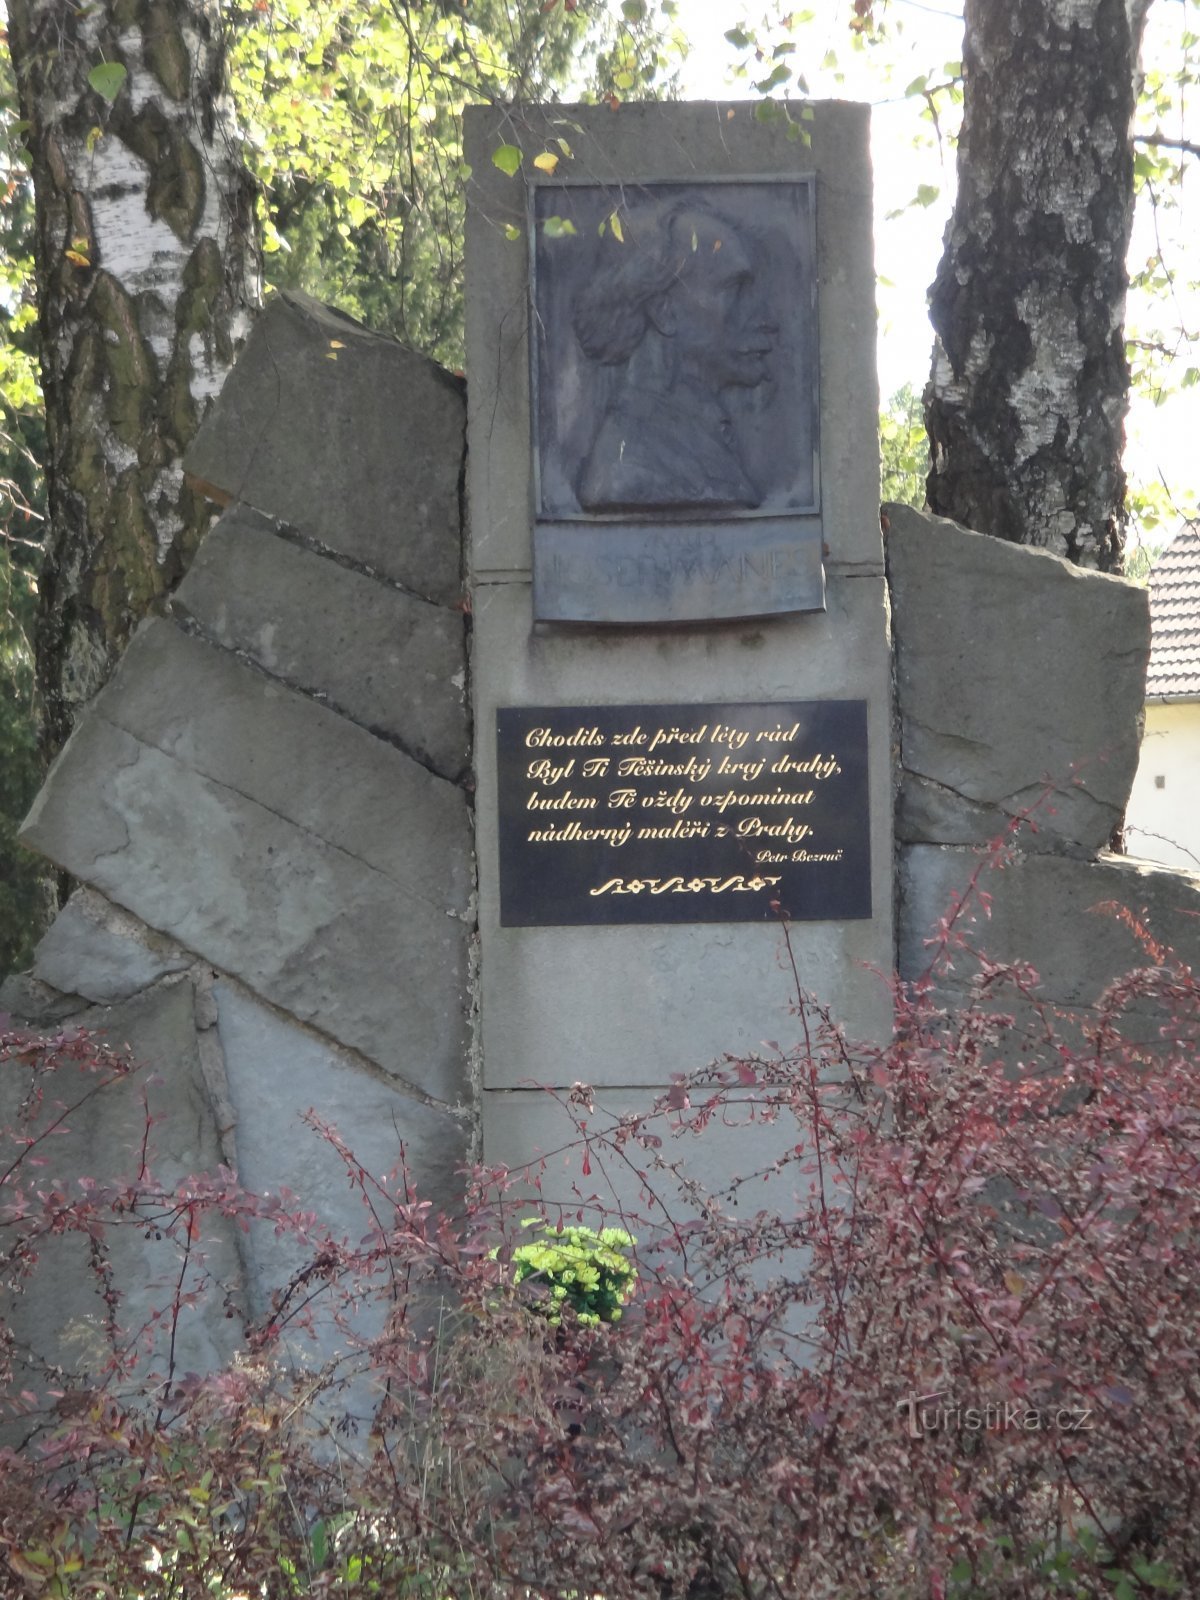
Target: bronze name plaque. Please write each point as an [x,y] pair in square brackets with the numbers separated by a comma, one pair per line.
[674,371]
[695,813]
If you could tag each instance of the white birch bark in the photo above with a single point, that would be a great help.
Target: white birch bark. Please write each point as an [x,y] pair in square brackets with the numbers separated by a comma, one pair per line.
[146,279]
[1026,405]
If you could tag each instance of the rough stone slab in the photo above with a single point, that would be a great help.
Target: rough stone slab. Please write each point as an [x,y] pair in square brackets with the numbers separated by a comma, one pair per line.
[210,713]
[94,950]
[31,1003]
[387,660]
[62,1315]
[1044,910]
[1015,671]
[276,1073]
[346,435]
[291,849]
[311,928]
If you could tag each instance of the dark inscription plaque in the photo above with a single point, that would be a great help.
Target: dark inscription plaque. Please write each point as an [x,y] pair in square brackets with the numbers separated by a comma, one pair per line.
[710,813]
[675,417]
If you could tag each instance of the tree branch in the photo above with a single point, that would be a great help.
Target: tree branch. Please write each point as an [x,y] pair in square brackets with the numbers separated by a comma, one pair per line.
[1188,146]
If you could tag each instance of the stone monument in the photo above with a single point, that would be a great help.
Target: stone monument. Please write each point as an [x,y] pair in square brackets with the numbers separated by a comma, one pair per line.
[653,711]
[681,667]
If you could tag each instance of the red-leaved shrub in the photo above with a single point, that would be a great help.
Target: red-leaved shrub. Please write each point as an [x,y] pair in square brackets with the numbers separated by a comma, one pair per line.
[960,1359]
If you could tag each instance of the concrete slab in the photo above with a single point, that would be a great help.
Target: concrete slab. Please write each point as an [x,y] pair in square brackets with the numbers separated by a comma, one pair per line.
[683,994]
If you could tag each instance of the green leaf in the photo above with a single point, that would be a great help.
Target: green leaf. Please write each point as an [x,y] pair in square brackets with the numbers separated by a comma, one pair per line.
[511,231]
[781,74]
[633,10]
[558,227]
[508,158]
[927,193]
[739,38]
[107,78]
[319,1543]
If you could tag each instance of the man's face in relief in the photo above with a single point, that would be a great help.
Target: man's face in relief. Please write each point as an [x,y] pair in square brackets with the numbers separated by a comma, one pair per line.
[715,315]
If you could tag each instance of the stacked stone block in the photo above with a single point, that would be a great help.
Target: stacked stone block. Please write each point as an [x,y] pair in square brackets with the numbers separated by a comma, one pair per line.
[1020,682]
[268,806]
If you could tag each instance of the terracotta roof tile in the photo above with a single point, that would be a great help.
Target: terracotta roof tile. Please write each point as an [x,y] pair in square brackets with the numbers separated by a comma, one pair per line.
[1175,618]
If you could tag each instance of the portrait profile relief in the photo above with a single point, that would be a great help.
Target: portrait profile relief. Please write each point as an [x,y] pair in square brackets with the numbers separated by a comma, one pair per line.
[675,349]
[675,369]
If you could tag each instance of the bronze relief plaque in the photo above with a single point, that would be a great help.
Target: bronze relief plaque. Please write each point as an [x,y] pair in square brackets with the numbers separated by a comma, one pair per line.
[747,812]
[675,369]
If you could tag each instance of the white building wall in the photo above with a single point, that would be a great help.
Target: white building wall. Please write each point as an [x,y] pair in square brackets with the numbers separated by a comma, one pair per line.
[1163,820]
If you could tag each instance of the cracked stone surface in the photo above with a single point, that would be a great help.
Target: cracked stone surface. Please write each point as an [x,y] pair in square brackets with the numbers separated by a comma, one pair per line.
[92,949]
[1049,911]
[1016,673]
[62,1314]
[293,850]
[347,436]
[276,1073]
[386,660]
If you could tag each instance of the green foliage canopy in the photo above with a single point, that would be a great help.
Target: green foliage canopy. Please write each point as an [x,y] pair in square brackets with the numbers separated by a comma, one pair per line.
[351,111]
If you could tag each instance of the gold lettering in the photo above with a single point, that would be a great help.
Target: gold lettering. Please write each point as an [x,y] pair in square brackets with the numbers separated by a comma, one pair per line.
[678,736]
[562,802]
[546,772]
[543,738]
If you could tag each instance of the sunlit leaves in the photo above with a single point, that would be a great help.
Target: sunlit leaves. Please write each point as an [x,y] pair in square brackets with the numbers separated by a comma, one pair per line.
[351,114]
[903,448]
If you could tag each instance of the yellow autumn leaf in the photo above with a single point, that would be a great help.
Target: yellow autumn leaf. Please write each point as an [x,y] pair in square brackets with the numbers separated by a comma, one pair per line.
[615,224]
[77,259]
[1014,1283]
[546,162]
[336,344]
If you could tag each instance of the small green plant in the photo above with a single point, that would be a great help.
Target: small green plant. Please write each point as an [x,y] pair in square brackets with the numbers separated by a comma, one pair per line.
[583,1269]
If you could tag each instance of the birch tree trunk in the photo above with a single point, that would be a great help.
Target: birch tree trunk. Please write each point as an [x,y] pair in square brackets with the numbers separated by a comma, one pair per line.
[1026,406]
[146,271]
